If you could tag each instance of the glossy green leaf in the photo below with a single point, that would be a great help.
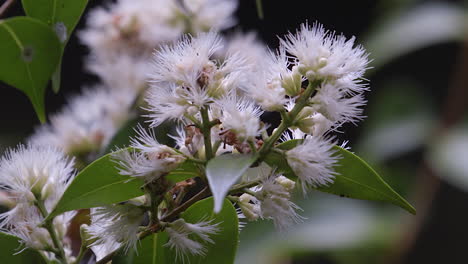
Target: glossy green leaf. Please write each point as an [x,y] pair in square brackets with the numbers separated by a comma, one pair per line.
[62,16]
[98,184]
[355,179]
[10,246]
[223,171]
[224,248]
[29,52]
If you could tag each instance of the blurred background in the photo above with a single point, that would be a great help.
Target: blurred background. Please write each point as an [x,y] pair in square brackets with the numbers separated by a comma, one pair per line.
[415,134]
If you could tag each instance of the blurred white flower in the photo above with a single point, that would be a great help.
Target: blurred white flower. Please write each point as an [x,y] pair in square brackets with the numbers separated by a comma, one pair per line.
[123,72]
[88,122]
[275,197]
[205,15]
[131,27]
[182,234]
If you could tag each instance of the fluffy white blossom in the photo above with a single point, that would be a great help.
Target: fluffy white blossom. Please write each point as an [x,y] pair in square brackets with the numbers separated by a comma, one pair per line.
[312,161]
[34,174]
[337,106]
[185,78]
[241,116]
[266,85]
[114,226]
[323,55]
[149,159]
[189,239]
[88,122]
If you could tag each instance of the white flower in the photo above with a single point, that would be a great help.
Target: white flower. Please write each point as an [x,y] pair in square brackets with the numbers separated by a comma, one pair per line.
[166,103]
[211,14]
[337,106]
[114,226]
[323,55]
[241,116]
[123,72]
[88,122]
[132,27]
[35,172]
[312,161]
[149,159]
[31,174]
[182,234]
[189,139]
[266,84]
[185,78]
[275,196]
[185,62]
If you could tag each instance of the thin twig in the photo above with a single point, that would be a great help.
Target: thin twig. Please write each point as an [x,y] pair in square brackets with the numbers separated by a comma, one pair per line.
[4,8]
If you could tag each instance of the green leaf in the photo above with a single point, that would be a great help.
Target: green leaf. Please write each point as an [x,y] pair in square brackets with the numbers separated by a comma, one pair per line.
[185,171]
[62,16]
[223,171]
[98,184]
[10,246]
[30,52]
[355,179]
[224,248]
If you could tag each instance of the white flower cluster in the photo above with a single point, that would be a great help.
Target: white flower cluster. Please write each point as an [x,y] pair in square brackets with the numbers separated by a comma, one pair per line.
[216,90]
[35,177]
[186,81]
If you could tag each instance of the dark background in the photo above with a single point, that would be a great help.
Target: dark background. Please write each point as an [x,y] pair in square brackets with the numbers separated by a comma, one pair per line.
[443,234]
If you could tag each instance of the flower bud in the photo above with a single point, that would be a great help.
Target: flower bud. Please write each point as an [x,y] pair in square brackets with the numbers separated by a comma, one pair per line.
[286,183]
[192,110]
[293,82]
[251,211]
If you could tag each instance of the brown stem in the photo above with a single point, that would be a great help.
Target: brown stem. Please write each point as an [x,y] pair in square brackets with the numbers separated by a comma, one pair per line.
[197,197]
